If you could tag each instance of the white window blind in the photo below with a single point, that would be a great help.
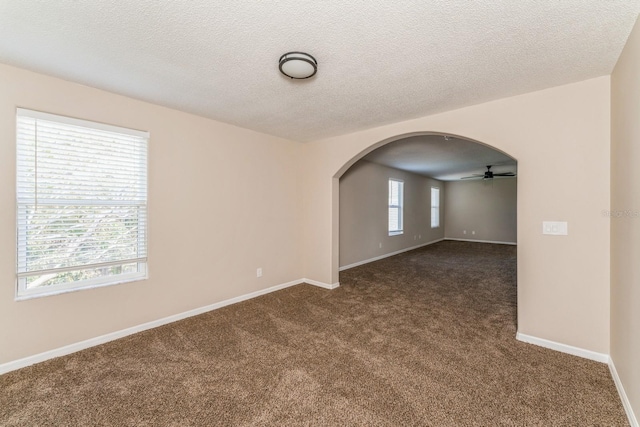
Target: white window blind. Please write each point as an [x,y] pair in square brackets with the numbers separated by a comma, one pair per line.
[82,204]
[396,190]
[435,207]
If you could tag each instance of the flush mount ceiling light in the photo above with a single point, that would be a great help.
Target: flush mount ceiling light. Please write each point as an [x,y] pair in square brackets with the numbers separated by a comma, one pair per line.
[298,65]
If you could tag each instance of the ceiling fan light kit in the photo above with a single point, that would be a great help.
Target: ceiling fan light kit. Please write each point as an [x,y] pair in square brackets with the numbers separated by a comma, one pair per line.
[298,65]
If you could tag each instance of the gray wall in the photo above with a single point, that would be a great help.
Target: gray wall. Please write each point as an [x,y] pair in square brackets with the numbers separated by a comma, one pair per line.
[486,207]
[364,212]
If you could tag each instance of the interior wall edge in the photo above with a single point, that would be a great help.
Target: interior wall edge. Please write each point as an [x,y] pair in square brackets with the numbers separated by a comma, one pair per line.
[633,420]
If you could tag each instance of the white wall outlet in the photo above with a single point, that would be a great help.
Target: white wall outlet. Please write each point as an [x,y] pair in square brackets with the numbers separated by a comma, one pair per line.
[419,236]
[555,228]
[259,272]
[464,232]
[473,232]
[380,245]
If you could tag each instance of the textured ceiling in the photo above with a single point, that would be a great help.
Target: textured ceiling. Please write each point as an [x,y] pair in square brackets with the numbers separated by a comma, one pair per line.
[445,159]
[378,61]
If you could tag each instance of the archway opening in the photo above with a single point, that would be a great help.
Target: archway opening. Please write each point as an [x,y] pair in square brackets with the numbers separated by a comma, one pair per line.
[415,190]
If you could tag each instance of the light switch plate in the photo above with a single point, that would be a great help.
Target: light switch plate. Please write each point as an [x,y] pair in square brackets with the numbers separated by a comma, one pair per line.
[555,228]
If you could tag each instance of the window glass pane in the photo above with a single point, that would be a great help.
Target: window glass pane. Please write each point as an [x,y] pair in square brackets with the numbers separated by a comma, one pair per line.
[82,203]
[393,219]
[435,207]
[65,236]
[396,188]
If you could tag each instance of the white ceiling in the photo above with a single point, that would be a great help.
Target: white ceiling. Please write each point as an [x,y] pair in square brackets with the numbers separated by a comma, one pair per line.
[378,61]
[445,159]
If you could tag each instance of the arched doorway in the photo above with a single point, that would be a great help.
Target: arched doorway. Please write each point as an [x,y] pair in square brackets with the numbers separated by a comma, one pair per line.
[335,261]
[479,204]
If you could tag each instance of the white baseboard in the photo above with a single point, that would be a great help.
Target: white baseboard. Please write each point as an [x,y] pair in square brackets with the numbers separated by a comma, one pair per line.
[587,354]
[482,241]
[377,258]
[564,348]
[321,284]
[633,421]
[72,348]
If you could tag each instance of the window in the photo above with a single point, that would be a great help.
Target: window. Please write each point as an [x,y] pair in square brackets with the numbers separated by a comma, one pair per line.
[435,207]
[82,204]
[396,189]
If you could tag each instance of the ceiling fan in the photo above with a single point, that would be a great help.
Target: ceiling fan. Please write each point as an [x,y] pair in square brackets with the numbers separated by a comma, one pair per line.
[488,174]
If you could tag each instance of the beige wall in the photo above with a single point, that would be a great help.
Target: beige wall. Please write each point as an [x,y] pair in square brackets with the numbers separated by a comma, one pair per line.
[364,212]
[625,219]
[563,281]
[222,202]
[488,208]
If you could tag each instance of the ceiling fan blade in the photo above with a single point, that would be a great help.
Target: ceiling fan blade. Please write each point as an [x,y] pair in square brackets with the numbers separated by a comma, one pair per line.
[473,177]
[504,174]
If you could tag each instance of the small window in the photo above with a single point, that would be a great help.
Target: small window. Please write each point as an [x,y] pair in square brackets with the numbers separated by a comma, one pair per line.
[396,196]
[82,204]
[435,207]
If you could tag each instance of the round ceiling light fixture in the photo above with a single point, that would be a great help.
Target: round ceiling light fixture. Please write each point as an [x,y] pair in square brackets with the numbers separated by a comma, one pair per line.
[298,65]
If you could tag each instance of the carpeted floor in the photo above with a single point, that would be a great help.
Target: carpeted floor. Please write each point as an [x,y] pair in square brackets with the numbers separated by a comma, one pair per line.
[426,338]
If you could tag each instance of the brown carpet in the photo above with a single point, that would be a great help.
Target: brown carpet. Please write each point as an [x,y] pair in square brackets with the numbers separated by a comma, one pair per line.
[426,338]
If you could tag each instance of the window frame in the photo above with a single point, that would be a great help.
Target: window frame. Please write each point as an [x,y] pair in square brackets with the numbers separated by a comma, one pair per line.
[435,208]
[24,201]
[399,207]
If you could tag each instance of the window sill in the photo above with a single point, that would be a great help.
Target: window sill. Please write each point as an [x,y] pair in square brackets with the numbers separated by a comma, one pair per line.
[395,233]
